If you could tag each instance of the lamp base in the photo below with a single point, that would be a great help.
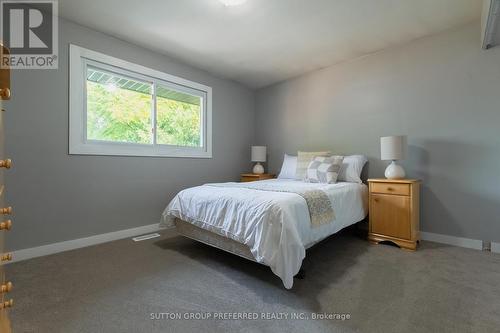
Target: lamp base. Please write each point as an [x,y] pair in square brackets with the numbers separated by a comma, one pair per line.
[258,169]
[394,171]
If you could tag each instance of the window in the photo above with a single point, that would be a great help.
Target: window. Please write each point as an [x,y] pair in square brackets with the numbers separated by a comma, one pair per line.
[120,108]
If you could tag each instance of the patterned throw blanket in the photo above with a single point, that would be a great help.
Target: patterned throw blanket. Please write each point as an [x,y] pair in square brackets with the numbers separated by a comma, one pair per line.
[318,202]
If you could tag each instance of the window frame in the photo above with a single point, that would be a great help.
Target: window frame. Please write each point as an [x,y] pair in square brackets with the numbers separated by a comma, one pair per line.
[80,58]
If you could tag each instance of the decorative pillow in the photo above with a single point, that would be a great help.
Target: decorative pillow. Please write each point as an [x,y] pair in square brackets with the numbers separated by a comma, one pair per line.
[352,166]
[324,169]
[303,160]
[289,167]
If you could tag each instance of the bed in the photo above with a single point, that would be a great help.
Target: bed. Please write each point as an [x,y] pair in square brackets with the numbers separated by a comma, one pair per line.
[267,221]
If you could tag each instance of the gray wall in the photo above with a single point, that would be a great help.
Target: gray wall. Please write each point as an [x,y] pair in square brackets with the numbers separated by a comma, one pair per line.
[442,91]
[58,197]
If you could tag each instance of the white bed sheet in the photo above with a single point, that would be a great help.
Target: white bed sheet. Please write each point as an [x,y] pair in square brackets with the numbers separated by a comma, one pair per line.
[274,225]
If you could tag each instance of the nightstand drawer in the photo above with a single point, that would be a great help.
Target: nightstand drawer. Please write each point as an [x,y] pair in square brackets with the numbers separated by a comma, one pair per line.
[390,215]
[390,188]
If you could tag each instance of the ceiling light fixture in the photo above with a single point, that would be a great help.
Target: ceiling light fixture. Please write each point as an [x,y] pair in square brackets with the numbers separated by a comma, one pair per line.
[232,2]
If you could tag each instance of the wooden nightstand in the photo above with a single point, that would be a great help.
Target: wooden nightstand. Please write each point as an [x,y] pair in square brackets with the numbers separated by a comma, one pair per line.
[394,211]
[251,177]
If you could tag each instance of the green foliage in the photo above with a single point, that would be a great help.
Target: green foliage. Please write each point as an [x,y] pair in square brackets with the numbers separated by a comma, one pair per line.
[125,116]
[178,123]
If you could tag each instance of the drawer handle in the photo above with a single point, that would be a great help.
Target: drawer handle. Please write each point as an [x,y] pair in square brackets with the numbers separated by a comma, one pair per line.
[376,200]
[4,93]
[6,257]
[6,225]
[7,304]
[390,189]
[6,163]
[6,210]
[5,288]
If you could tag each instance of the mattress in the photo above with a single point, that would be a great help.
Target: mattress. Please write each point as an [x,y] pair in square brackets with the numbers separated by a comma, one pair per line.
[275,226]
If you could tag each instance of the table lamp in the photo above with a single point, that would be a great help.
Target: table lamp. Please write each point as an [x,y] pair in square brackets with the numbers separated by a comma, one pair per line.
[393,148]
[258,155]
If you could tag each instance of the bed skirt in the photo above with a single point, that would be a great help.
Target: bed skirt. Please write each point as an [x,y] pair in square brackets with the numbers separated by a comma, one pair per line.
[204,236]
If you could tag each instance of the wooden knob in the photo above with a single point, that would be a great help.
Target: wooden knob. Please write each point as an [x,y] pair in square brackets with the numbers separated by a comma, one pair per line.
[390,189]
[6,163]
[7,304]
[6,257]
[6,210]
[6,225]
[376,199]
[5,288]
[4,93]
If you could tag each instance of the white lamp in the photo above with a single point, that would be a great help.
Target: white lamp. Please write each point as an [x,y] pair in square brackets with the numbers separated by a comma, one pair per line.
[258,155]
[393,148]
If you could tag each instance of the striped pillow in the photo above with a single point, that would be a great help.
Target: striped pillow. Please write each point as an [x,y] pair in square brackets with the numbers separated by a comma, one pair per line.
[324,169]
[303,160]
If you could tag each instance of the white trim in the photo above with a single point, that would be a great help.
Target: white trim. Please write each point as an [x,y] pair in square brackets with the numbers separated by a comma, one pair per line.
[78,145]
[44,250]
[452,240]
[495,247]
[145,237]
[73,244]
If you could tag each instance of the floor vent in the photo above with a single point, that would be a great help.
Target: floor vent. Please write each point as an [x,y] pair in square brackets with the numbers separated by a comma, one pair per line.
[487,246]
[144,237]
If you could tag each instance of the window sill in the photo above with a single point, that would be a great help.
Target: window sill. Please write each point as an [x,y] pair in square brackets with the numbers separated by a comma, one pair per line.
[138,150]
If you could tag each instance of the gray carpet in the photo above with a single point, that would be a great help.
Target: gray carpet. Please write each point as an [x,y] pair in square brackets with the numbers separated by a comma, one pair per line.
[114,287]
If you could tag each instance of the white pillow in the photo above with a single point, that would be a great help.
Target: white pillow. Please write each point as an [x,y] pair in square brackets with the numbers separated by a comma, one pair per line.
[352,166]
[289,167]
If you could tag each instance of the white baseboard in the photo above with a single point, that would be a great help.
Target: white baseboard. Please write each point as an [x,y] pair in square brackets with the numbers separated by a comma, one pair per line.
[44,250]
[452,240]
[495,247]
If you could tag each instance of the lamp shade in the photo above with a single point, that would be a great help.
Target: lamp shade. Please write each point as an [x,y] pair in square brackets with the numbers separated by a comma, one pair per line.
[393,148]
[259,153]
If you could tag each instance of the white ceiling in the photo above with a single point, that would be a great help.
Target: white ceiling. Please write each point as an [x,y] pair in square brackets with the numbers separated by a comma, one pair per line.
[267,41]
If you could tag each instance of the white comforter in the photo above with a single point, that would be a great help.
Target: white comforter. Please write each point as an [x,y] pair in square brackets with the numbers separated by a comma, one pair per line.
[274,225]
